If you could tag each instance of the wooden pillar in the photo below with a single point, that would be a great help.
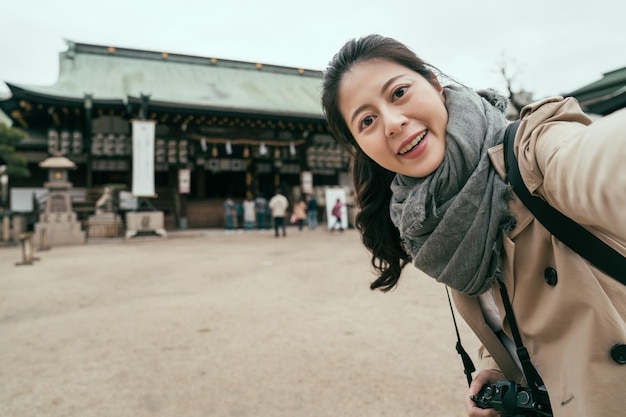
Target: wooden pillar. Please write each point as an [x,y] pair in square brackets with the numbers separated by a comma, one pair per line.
[278,163]
[87,139]
[200,182]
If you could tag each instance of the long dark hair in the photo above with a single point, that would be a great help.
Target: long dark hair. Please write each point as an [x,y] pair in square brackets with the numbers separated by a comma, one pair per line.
[371,181]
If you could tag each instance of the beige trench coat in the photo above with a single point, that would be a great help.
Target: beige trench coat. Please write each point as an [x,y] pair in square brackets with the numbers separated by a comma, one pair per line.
[569,313]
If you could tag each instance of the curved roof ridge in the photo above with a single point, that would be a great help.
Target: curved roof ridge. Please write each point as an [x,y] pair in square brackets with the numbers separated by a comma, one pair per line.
[84,48]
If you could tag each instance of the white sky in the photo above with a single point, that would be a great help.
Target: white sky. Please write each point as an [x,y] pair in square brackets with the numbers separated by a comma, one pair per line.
[553,46]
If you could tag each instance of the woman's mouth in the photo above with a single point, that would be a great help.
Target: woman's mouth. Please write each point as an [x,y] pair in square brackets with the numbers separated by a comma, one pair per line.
[413,144]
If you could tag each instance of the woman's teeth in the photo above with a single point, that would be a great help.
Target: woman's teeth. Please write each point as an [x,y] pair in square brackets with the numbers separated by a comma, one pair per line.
[409,146]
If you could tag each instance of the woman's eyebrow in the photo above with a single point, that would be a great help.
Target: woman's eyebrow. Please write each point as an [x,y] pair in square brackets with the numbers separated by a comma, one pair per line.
[382,91]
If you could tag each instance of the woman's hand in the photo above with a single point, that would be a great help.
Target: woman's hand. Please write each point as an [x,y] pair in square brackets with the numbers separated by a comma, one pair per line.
[482,378]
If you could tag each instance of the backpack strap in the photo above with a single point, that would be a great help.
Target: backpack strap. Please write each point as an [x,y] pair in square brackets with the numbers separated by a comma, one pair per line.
[562,227]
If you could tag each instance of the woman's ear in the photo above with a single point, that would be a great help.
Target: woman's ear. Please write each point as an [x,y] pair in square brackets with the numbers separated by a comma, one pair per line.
[435,83]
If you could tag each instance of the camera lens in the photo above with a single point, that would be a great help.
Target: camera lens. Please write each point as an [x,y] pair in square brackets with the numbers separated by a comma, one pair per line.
[488,393]
[523,397]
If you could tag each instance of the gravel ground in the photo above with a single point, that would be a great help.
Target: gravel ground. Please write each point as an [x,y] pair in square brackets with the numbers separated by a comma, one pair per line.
[204,323]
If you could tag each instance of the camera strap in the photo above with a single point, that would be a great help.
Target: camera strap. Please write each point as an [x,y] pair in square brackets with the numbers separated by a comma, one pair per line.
[572,234]
[541,400]
[530,373]
[468,365]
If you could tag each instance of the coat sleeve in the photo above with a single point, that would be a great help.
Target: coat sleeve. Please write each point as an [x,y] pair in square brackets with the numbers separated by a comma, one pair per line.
[577,166]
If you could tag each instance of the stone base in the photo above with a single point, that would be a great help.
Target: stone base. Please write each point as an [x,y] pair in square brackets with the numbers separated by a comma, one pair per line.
[144,221]
[57,233]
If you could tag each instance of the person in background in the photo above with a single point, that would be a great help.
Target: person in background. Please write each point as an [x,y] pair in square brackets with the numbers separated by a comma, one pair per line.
[299,212]
[312,212]
[230,213]
[279,205]
[249,214]
[268,215]
[429,174]
[240,222]
[261,210]
[337,212]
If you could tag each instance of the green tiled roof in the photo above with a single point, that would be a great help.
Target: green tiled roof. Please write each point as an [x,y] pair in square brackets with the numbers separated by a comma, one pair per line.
[111,74]
[605,95]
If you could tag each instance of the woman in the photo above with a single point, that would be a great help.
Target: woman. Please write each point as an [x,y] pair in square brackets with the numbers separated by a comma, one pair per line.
[299,212]
[429,175]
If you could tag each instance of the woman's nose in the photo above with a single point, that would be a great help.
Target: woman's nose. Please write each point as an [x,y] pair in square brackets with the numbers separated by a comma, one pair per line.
[394,123]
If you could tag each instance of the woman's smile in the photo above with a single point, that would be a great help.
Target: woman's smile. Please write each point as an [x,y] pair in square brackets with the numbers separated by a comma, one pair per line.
[412,145]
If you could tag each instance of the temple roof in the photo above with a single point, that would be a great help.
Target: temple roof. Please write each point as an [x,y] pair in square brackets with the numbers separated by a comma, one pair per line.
[605,95]
[111,74]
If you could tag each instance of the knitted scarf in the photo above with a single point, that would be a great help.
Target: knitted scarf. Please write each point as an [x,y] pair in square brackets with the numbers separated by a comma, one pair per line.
[450,222]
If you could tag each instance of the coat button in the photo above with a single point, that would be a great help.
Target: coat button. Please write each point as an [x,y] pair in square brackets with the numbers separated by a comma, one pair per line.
[618,353]
[549,274]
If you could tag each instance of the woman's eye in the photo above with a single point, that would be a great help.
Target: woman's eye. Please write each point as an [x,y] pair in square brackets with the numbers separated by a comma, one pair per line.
[367,121]
[399,92]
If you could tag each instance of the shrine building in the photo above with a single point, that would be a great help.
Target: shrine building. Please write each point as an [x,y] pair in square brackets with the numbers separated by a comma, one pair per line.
[234,128]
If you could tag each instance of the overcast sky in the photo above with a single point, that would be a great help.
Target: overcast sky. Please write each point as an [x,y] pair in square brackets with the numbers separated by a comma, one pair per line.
[552,46]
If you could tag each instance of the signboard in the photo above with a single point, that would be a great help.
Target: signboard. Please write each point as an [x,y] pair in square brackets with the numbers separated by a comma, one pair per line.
[306,181]
[128,201]
[28,199]
[143,158]
[184,181]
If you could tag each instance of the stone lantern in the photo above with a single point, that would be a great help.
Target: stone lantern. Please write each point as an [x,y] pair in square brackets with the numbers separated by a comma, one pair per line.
[58,224]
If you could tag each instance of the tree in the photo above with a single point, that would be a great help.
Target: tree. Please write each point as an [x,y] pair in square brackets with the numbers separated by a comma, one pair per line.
[15,162]
[509,74]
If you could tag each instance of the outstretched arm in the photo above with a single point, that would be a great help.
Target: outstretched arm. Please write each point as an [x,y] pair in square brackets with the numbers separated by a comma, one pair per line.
[576,166]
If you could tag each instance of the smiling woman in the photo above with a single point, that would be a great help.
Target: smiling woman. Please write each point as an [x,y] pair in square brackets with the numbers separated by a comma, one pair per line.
[391,111]
[429,174]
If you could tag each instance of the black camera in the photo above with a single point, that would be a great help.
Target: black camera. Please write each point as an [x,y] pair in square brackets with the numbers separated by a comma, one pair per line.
[513,400]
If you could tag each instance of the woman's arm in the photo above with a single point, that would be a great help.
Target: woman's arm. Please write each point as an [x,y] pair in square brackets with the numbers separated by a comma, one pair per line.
[579,169]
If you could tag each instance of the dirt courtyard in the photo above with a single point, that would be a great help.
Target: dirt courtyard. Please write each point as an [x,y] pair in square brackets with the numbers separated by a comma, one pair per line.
[204,323]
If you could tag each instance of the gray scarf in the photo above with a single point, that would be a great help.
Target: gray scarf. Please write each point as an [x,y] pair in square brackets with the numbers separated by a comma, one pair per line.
[450,221]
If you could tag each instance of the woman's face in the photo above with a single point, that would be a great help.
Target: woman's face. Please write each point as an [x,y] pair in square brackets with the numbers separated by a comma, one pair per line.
[396,116]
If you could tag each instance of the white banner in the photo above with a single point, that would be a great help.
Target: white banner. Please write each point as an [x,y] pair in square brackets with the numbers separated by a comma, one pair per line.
[143,158]
[184,180]
[306,181]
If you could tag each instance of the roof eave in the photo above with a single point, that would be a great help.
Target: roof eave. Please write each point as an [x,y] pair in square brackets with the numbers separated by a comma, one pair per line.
[23,92]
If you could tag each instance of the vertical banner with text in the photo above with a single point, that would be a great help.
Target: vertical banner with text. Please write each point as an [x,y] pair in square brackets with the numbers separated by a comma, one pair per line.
[184,181]
[143,158]
[306,181]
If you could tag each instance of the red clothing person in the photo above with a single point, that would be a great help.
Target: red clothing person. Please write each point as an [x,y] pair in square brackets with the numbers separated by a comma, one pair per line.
[337,212]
